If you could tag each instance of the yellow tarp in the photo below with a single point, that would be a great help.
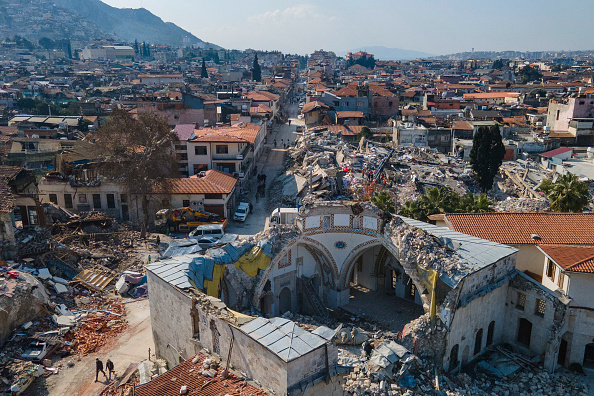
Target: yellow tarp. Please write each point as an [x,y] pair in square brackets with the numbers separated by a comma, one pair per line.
[252,261]
[428,278]
[212,287]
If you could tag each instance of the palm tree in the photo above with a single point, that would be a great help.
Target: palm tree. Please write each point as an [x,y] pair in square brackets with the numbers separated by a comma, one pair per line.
[411,209]
[439,200]
[471,203]
[567,194]
[383,201]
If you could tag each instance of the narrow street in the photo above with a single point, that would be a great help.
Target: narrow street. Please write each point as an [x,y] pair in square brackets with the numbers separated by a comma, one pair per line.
[271,164]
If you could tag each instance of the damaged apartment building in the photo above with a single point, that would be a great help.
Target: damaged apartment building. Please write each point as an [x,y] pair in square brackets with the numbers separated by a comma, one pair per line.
[467,291]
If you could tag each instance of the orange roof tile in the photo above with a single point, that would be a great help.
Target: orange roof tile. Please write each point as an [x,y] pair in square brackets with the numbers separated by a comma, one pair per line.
[349,114]
[347,91]
[215,182]
[490,95]
[188,374]
[571,258]
[236,133]
[517,228]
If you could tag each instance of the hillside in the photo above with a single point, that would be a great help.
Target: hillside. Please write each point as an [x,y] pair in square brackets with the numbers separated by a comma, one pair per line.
[131,24]
[86,20]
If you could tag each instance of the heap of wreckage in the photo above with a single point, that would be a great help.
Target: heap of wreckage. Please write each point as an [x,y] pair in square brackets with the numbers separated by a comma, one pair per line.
[378,361]
[53,293]
[324,166]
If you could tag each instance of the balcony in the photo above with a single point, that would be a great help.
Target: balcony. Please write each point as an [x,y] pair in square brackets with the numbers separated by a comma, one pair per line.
[232,157]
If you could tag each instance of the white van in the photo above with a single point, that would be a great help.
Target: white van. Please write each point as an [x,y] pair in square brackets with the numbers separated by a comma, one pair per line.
[209,230]
[284,215]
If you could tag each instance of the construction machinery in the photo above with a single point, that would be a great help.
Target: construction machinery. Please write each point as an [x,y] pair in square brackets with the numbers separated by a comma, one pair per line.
[184,219]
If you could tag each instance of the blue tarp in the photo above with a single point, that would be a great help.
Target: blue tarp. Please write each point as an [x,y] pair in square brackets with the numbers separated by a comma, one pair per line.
[229,253]
[198,269]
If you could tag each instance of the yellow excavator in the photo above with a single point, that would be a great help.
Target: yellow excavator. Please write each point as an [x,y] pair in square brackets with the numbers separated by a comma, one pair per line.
[184,219]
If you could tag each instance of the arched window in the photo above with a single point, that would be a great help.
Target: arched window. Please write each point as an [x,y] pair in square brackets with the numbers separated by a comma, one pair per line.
[478,342]
[454,357]
[490,333]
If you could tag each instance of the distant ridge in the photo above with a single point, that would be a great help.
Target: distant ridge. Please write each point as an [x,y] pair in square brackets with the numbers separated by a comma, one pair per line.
[514,55]
[385,53]
[131,24]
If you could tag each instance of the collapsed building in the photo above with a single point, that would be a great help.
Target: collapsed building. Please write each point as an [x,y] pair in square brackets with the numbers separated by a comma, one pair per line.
[345,255]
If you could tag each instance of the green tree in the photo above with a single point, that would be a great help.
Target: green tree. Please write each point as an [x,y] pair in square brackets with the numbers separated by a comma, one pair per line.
[413,210]
[567,194]
[140,154]
[256,70]
[383,201]
[47,43]
[528,73]
[364,133]
[203,72]
[486,155]
[471,203]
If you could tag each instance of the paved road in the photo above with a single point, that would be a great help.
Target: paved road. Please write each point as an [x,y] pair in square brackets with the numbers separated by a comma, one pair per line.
[271,163]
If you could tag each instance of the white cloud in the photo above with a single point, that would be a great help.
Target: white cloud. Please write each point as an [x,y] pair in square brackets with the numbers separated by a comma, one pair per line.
[287,15]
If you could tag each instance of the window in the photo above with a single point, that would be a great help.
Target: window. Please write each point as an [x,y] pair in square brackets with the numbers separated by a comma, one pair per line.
[96,201]
[222,149]
[551,270]
[82,198]
[213,196]
[124,198]
[110,201]
[582,102]
[68,201]
[53,198]
[336,103]
[539,309]
[200,150]
[558,112]
[490,333]
[183,156]
[521,303]
[186,203]
[454,357]
[390,104]
[478,342]
[326,222]
[180,147]
[561,280]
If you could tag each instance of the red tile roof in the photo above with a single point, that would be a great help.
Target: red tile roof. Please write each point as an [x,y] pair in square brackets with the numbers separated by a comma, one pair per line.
[347,91]
[215,182]
[262,96]
[237,133]
[315,105]
[552,153]
[349,114]
[517,228]
[188,374]
[490,95]
[571,258]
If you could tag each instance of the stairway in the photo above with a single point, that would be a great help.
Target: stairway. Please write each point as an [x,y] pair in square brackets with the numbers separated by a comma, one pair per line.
[313,298]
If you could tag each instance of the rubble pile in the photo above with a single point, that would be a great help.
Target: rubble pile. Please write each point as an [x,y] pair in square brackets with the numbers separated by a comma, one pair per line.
[416,246]
[16,375]
[98,323]
[523,205]
[278,235]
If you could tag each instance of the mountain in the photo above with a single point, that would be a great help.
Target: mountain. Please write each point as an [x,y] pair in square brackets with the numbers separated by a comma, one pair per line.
[385,53]
[131,24]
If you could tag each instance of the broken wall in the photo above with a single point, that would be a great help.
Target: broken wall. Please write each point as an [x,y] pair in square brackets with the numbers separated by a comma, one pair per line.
[21,300]
[546,329]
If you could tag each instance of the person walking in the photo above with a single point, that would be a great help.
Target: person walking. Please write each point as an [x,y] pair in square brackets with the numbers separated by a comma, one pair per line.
[98,369]
[110,368]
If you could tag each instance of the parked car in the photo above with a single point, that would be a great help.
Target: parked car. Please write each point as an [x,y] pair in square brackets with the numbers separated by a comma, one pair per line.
[241,212]
[208,230]
[207,242]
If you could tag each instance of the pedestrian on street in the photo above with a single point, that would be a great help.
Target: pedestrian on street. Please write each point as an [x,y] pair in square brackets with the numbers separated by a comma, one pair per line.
[274,142]
[98,369]
[251,207]
[110,368]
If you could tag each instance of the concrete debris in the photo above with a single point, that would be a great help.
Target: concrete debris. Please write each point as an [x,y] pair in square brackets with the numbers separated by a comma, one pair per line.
[523,205]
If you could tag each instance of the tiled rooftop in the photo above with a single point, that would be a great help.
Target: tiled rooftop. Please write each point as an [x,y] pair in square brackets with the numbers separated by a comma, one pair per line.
[571,258]
[187,373]
[518,228]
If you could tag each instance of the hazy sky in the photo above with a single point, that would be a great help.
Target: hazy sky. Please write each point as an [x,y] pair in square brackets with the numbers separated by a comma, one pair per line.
[433,26]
